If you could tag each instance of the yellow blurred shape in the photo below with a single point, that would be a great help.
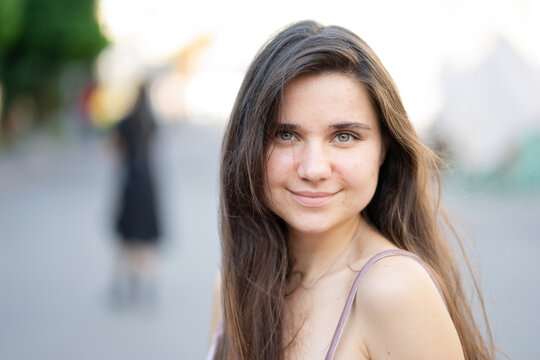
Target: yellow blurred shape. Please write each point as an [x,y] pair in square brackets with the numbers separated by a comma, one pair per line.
[109,104]
[188,57]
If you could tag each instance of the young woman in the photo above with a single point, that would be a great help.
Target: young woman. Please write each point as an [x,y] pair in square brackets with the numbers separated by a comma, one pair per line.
[330,223]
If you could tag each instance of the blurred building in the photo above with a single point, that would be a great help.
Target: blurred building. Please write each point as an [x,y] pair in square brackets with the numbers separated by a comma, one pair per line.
[489,125]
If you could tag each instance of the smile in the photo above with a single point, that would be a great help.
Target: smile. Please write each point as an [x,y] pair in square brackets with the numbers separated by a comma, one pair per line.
[312,199]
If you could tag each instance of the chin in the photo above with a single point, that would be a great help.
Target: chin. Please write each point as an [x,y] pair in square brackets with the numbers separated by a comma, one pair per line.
[311,227]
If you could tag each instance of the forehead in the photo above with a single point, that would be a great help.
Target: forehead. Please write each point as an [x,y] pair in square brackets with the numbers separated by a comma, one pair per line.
[326,97]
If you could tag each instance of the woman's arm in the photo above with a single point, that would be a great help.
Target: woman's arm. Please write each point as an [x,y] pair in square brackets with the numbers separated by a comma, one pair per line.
[216,317]
[403,314]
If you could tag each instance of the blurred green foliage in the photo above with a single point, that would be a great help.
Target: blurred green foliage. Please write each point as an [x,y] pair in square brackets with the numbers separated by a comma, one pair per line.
[40,37]
[10,22]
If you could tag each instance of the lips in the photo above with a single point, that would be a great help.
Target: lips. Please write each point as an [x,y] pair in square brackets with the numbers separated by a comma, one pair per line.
[312,199]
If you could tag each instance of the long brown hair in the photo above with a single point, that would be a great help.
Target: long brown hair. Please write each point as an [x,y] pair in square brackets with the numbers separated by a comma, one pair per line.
[256,259]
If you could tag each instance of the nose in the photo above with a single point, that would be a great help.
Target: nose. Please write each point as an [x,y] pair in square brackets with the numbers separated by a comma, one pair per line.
[314,164]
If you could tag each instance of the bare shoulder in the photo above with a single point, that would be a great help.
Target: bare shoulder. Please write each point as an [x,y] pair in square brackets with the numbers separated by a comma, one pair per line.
[396,279]
[403,314]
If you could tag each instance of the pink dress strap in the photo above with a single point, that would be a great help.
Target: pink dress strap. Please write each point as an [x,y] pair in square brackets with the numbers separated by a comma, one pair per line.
[354,288]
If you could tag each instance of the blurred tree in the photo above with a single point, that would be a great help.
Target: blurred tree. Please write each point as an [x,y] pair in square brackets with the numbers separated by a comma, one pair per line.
[37,39]
[10,22]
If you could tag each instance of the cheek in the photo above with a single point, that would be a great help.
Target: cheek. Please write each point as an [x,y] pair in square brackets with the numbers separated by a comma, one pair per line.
[361,174]
[360,166]
[277,170]
[279,162]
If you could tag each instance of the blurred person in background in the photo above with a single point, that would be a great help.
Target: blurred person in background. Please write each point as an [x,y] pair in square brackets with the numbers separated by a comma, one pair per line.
[330,219]
[137,222]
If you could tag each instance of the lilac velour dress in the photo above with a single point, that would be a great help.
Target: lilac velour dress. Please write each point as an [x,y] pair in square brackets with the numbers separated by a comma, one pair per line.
[347,308]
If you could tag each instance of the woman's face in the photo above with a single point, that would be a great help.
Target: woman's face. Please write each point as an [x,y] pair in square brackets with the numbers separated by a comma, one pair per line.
[323,164]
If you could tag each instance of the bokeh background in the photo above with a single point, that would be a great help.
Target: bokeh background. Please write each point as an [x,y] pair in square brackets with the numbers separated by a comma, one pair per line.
[468,72]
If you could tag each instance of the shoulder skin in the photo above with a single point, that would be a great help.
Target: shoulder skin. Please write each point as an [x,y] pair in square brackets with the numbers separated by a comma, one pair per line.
[403,315]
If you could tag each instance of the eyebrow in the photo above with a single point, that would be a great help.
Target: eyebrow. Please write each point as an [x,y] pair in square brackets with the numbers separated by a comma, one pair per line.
[287,127]
[353,125]
[340,126]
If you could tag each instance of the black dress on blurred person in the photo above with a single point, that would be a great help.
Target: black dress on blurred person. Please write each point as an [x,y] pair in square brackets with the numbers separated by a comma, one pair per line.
[137,220]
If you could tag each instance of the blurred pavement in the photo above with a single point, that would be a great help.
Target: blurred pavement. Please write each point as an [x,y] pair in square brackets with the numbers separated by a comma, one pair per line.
[56,253]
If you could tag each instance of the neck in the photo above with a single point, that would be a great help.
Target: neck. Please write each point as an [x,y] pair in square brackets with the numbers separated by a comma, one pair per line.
[315,251]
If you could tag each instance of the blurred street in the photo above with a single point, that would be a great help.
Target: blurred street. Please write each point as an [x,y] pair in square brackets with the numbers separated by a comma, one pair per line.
[57,253]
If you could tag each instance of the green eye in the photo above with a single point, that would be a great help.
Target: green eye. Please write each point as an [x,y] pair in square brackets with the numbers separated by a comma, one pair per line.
[285,136]
[344,137]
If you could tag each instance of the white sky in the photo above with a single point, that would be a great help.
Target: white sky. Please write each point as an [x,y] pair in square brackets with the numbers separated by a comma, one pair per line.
[415,39]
